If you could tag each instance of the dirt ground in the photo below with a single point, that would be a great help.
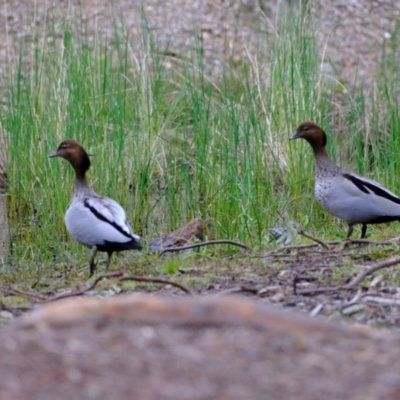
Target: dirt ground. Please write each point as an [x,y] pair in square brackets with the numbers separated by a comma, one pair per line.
[296,331]
[351,33]
[244,334]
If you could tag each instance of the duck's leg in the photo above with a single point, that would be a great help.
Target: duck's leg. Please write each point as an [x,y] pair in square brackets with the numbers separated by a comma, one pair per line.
[349,232]
[363,231]
[92,265]
[109,255]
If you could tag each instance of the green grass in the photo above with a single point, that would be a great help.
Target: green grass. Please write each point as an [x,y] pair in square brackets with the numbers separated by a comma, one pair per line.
[171,143]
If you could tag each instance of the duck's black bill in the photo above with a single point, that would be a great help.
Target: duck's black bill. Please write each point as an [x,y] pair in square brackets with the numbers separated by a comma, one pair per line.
[294,136]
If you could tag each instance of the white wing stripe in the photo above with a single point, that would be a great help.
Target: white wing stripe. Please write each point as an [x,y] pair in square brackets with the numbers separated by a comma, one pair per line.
[125,230]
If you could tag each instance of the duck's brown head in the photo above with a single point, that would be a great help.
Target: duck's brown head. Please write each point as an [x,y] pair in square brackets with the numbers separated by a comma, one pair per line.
[73,152]
[311,132]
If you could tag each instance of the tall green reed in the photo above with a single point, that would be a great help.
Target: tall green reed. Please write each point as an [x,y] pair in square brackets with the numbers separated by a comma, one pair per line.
[171,142]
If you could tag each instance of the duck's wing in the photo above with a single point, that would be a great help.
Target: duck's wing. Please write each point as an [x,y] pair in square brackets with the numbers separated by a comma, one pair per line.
[371,188]
[111,215]
[361,200]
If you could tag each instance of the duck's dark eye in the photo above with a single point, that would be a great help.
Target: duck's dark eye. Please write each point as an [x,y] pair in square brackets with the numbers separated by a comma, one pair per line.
[64,146]
[306,128]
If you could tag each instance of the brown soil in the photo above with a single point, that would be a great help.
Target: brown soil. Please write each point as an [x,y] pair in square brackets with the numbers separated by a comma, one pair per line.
[171,345]
[351,33]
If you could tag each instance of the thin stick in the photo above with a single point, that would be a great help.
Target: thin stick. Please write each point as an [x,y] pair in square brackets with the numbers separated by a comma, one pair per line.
[326,244]
[308,292]
[307,235]
[302,278]
[27,295]
[237,289]
[64,295]
[381,300]
[41,299]
[292,247]
[192,246]
[156,280]
[356,281]
[116,274]
[378,242]
[17,310]
[375,267]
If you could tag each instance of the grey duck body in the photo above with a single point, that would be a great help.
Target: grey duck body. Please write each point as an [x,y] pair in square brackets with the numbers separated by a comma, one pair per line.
[94,221]
[350,197]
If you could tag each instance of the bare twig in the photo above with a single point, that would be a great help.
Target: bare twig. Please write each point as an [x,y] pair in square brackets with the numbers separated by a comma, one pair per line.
[313,238]
[64,295]
[302,278]
[237,289]
[377,242]
[37,298]
[272,253]
[381,300]
[326,245]
[26,295]
[189,270]
[234,290]
[209,242]
[41,299]
[355,282]
[309,292]
[284,248]
[375,267]
[282,213]
[16,311]
[156,280]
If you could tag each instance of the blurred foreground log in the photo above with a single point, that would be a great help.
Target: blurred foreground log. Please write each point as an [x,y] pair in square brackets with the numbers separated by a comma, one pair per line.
[144,347]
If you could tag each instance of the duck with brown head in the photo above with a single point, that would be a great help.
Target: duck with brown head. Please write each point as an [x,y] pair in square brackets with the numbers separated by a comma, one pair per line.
[350,197]
[92,220]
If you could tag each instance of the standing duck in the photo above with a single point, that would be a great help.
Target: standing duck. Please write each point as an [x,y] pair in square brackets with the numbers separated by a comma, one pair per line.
[92,220]
[350,197]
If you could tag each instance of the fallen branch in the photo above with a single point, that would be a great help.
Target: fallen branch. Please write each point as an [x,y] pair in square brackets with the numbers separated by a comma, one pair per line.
[272,253]
[37,298]
[382,264]
[355,281]
[156,280]
[311,237]
[41,299]
[64,295]
[237,289]
[189,270]
[302,278]
[326,245]
[309,292]
[381,300]
[210,242]
[15,311]
[377,242]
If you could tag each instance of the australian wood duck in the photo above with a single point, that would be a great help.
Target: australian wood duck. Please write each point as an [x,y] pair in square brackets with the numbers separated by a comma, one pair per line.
[92,220]
[352,198]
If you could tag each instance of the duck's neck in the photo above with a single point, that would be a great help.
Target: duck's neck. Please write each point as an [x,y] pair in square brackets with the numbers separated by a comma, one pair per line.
[82,188]
[323,163]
